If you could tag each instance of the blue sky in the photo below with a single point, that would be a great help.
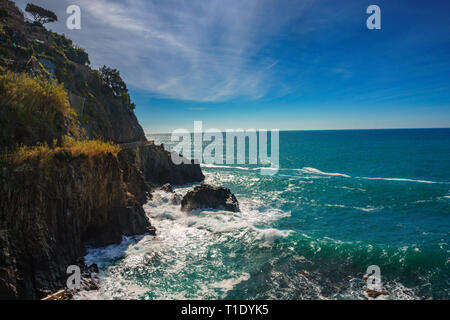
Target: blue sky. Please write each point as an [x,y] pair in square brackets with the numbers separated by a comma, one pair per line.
[282,64]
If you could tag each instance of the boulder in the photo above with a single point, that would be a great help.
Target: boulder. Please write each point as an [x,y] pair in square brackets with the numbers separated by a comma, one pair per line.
[206,196]
[167,188]
[176,199]
[375,293]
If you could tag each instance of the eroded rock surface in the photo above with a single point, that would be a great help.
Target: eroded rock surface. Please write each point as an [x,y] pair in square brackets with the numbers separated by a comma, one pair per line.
[207,196]
[47,215]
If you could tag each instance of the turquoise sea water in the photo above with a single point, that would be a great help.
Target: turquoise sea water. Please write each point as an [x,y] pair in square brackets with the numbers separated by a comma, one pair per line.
[341,201]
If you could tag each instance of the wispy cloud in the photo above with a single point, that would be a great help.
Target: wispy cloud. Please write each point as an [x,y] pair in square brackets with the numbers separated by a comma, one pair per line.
[203,51]
[272,65]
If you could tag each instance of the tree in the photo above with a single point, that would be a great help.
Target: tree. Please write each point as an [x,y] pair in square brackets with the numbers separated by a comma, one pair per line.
[40,14]
[112,80]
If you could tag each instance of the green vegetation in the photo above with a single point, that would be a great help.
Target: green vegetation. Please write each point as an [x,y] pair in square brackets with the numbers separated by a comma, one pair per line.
[40,71]
[40,14]
[34,109]
[33,95]
[69,149]
[89,148]
[78,55]
[112,80]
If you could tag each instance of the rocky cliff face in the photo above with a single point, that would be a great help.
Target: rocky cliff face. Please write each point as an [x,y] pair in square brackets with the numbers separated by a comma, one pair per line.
[46,216]
[28,47]
[157,166]
[100,113]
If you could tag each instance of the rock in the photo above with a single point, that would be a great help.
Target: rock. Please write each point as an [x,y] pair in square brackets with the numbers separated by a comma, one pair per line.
[176,199]
[89,284]
[206,196]
[152,258]
[59,208]
[375,293]
[48,213]
[158,168]
[300,259]
[93,268]
[152,230]
[167,188]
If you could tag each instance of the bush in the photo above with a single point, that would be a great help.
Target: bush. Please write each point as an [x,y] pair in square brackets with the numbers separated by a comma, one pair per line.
[89,148]
[36,96]
[34,109]
[69,148]
[112,80]
[77,55]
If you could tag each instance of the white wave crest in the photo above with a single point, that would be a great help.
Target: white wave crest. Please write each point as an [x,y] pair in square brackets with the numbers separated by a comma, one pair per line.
[317,171]
[399,179]
[269,236]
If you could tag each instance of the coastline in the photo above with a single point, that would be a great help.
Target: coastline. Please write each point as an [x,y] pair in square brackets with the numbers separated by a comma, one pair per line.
[93,208]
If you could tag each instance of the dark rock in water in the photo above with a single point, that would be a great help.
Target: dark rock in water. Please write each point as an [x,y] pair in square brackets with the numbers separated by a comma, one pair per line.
[152,258]
[176,199]
[375,293]
[152,230]
[93,268]
[167,188]
[206,196]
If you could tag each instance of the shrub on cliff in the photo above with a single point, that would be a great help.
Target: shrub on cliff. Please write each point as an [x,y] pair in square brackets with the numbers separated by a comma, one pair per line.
[33,95]
[112,80]
[34,109]
[78,55]
[69,148]
[89,147]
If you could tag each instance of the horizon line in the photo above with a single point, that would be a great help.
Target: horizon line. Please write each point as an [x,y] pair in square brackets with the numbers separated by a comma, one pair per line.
[308,130]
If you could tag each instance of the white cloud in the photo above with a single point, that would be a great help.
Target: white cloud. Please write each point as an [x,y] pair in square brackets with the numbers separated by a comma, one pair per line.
[189,50]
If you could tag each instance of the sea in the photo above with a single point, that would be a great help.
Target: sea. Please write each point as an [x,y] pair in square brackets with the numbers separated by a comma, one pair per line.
[340,202]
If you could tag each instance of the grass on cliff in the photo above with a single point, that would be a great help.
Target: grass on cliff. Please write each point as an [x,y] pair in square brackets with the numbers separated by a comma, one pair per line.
[34,109]
[69,149]
[34,95]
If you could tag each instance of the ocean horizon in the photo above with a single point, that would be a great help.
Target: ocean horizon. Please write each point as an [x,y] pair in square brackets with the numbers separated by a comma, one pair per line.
[149,134]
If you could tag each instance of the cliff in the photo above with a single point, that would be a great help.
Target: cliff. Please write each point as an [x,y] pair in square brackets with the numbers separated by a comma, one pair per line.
[60,188]
[48,215]
[102,111]
[158,168]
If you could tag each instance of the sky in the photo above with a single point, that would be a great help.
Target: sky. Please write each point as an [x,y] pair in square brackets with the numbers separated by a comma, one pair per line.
[272,64]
